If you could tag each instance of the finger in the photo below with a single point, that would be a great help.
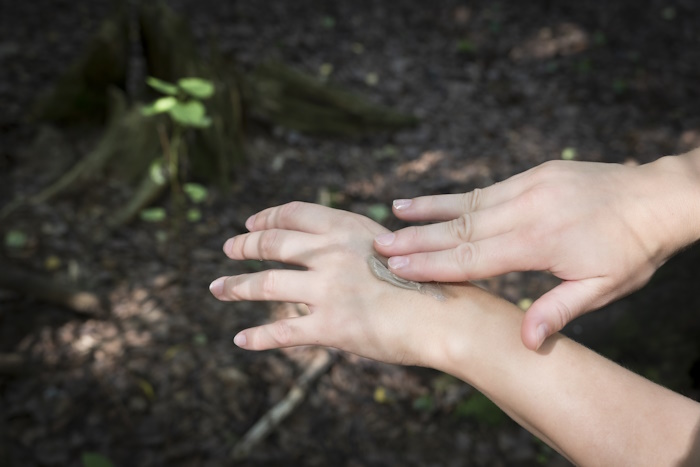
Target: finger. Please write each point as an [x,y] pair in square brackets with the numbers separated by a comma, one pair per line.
[468,261]
[447,207]
[555,309]
[286,246]
[299,216]
[467,227]
[288,332]
[274,285]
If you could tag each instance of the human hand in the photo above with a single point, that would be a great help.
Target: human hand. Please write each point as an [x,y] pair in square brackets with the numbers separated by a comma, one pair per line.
[349,308]
[601,228]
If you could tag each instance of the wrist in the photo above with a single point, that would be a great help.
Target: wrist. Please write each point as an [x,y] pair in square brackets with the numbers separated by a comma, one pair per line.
[476,330]
[678,188]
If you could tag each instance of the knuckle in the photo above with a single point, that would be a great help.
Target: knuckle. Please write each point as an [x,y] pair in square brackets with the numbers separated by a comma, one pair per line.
[550,168]
[410,234]
[290,209]
[533,198]
[235,247]
[462,227]
[232,288]
[466,254]
[268,284]
[562,314]
[268,244]
[281,332]
[472,200]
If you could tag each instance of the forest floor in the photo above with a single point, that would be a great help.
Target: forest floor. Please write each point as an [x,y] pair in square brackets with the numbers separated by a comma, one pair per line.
[499,87]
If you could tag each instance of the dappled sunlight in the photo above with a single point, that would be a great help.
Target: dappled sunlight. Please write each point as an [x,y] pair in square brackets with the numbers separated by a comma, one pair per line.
[426,162]
[548,42]
[139,363]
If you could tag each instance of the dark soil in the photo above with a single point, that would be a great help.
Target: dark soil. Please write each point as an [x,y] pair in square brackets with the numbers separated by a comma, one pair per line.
[499,87]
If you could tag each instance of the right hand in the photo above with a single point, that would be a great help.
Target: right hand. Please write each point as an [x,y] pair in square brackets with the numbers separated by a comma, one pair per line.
[601,228]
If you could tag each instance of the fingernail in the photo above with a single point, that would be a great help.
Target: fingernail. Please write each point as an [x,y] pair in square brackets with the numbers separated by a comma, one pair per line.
[385,239]
[400,204]
[542,332]
[228,245]
[240,339]
[250,222]
[397,262]
[217,287]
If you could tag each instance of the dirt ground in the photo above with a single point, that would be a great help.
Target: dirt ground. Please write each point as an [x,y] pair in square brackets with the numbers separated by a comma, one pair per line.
[499,87]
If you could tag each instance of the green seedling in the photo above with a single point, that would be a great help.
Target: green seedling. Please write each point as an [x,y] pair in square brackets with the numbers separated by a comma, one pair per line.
[182,103]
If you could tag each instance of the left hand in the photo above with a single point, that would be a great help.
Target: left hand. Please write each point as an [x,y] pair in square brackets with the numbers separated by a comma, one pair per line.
[349,308]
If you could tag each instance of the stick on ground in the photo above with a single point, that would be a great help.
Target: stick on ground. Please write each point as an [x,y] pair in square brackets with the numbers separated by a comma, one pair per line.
[283,408]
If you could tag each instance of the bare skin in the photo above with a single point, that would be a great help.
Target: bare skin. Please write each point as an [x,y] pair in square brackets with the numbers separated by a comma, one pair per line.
[603,229]
[589,409]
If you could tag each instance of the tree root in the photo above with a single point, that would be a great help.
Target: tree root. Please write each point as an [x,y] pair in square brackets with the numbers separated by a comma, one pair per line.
[50,290]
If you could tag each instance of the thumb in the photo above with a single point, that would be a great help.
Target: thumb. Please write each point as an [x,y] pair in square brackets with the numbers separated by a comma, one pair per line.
[553,310]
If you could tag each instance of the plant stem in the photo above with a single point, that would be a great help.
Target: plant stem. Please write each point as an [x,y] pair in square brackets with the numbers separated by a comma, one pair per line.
[173,160]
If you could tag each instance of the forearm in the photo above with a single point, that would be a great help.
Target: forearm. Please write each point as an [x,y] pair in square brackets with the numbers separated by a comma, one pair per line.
[588,408]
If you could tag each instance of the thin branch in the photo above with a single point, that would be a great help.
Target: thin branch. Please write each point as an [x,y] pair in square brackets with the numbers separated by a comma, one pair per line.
[268,422]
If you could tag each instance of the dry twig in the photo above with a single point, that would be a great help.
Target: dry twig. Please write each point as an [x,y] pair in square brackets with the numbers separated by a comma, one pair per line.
[264,426]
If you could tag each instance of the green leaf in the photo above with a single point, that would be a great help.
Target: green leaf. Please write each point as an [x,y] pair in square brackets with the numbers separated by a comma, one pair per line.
[568,154]
[466,46]
[147,389]
[378,212]
[15,239]
[203,123]
[195,192]
[157,172]
[93,459]
[153,214]
[159,106]
[197,87]
[162,86]
[190,113]
[194,215]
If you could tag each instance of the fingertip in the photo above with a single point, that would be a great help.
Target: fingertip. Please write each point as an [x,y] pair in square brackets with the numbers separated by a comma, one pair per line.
[385,239]
[528,337]
[228,245]
[533,331]
[402,204]
[240,339]
[250,223]
[541,334]
[217,286]
[398,262]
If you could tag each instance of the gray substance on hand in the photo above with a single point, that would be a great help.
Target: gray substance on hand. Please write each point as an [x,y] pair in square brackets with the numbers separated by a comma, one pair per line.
[382,273]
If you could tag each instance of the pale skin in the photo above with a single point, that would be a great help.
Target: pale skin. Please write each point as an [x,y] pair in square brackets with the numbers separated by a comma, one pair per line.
[589,409]
[603,229]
